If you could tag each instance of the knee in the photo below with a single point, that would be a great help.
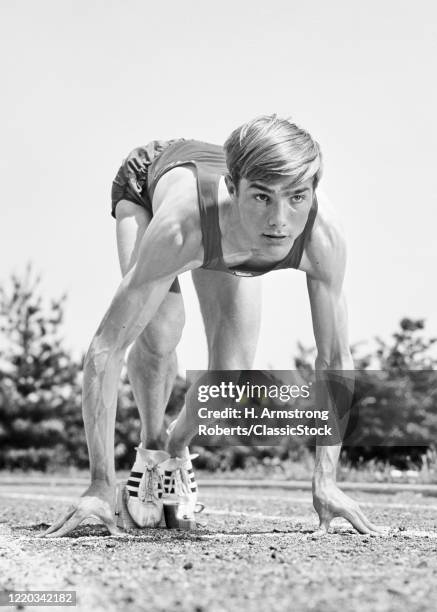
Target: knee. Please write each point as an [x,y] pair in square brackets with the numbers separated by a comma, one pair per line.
[160,338]
[231,352]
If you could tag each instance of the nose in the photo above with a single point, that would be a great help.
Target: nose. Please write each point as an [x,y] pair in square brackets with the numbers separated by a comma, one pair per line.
[276,216]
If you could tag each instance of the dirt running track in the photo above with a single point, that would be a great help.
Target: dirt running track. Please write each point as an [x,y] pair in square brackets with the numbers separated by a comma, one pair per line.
[256,552]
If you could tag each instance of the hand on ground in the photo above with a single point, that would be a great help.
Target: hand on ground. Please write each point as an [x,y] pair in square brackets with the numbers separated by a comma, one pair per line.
[97,501]
[329,503]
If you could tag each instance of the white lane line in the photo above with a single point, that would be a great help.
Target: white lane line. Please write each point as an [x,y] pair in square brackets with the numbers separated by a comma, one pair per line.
[398,506]
[297,500]
[37,496]
[376,504]
[367,504]
[257,515]
[251,515]
[212,511]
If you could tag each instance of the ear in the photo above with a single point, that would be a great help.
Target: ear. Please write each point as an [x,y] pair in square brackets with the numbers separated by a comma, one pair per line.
[230,185]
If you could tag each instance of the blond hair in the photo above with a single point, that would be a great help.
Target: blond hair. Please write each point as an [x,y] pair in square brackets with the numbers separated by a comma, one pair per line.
[269,148]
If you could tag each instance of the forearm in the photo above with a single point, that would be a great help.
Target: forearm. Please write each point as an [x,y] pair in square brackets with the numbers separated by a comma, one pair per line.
[335,386]
[129,313]
[99,404]
[325,467]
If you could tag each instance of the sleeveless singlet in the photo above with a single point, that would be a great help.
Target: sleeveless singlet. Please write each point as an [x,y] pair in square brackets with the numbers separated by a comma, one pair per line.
[209,164]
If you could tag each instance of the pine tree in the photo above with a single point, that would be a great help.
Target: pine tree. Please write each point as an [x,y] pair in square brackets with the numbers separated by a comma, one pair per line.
[41,424]
[40,413]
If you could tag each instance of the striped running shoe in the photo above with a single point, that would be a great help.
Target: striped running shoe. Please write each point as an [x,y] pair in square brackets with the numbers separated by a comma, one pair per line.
[145,488]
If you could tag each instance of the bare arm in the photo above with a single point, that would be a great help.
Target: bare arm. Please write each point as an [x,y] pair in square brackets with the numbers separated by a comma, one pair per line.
[328,308]
[325,274]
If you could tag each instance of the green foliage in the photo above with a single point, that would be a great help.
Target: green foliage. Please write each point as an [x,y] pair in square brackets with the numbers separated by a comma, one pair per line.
[398,418]
[41,424]
[409,350]
[395,397]
[40,413]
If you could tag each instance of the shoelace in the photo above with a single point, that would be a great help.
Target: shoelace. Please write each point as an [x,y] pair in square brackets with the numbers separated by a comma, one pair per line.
[148,488]
[179,481]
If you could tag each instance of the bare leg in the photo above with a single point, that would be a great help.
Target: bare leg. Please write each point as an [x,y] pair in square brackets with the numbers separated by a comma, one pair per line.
[151,363]
[152,368]
[231,310]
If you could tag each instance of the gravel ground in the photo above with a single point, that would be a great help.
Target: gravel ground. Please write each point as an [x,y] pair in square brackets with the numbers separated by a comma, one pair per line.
[254,552]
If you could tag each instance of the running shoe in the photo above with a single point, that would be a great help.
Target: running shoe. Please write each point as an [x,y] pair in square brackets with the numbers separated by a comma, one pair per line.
[144,487]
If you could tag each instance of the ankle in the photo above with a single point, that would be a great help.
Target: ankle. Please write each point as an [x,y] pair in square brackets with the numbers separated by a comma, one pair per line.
[152,443]
[176,449]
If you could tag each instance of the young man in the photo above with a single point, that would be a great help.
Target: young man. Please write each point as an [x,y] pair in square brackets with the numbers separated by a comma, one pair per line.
[228,216]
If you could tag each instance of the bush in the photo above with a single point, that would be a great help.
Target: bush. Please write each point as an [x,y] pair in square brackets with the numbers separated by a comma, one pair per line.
[396,395]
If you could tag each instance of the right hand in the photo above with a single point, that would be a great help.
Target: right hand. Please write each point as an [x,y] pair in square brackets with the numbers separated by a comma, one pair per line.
[136,164]
[97,501]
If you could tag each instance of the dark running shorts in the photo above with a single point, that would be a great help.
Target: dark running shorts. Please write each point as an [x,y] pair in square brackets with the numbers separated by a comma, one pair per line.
[132,185]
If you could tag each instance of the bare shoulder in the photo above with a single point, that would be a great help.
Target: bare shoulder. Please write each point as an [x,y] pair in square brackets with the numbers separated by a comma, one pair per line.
[176,195]
[175,205]
[324,257]
[172,243]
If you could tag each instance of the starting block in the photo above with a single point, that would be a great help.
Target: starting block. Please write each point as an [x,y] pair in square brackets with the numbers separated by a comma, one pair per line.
[173,522]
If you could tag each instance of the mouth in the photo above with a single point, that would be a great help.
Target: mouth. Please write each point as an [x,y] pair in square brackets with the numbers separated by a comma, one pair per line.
[277,237]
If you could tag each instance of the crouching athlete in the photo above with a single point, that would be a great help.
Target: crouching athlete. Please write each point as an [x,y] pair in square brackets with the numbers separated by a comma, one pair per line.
[229,214]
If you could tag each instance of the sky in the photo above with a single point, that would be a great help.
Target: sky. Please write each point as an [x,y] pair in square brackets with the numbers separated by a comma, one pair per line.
[86,81]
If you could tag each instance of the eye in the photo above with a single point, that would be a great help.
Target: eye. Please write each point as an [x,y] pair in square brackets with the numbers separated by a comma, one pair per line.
[261,197]
[297,198]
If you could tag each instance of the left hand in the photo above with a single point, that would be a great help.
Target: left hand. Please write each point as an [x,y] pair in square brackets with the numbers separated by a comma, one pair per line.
[329,502]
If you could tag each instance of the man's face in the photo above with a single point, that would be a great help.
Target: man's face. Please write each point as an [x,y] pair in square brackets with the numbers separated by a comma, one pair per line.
[273,214]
